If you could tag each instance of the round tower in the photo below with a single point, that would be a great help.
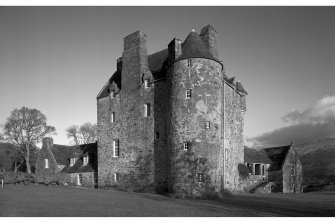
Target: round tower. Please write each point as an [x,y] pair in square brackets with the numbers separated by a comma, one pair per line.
[195,123]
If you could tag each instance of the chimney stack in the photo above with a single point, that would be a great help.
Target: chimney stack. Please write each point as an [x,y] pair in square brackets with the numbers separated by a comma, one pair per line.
[174,49]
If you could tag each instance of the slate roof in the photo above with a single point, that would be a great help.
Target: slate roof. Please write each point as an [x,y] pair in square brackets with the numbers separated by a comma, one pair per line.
[274,156]
[92,166]
[240,88]
[256,156]
[277,155]
[62,153]
[116,77]
[194,47]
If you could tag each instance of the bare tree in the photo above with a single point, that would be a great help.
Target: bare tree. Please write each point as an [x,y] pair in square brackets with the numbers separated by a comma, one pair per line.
[24,128]
[86,133]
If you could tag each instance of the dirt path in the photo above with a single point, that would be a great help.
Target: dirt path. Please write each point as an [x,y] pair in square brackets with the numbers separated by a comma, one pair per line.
[63,201]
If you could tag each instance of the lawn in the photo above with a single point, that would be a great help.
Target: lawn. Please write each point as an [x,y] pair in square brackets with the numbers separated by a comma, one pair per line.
[47,201]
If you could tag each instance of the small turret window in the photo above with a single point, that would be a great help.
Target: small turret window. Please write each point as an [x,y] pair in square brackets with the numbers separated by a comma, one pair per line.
[208,125]
[186,146]
[116,148]
[188,93]
[112,117]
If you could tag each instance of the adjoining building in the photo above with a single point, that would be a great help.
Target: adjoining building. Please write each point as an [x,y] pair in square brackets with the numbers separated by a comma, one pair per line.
[78,162]
[171,121]
[276,169]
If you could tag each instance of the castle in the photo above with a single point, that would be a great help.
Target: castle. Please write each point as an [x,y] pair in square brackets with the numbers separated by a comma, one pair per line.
[171,121]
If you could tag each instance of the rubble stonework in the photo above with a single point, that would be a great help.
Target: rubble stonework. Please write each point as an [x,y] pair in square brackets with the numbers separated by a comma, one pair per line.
[187,146]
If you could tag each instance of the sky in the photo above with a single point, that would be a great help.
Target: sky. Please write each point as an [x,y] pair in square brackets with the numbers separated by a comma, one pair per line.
[57,59]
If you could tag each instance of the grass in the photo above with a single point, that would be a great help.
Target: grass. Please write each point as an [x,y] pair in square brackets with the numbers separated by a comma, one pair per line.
[48,201]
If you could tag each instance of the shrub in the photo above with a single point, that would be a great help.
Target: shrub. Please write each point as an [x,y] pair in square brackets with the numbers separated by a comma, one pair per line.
[243,171]
[57,178]
[18,177]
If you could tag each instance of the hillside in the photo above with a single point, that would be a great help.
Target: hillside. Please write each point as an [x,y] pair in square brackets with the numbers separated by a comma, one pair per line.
[317,158]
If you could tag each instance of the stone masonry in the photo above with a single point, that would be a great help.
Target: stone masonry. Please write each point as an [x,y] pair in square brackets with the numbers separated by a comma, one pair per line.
[171,121]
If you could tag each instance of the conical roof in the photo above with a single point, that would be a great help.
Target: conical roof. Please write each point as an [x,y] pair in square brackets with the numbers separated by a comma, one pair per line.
[194,47]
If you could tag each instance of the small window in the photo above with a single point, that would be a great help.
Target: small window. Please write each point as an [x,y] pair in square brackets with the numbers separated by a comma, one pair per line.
[72,161]
[200,178]
[189,63]
[226,154]
[146,83]
[186,146]
[208,124]
[80,179]
[111,94]
[112,117]
[157,135]
[292,170]
[147,110]
[116,148]
[46,163]
[116,177]
[85,160]
[188,93]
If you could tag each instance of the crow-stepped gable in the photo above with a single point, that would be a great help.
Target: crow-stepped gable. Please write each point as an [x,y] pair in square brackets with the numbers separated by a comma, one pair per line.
[171,121]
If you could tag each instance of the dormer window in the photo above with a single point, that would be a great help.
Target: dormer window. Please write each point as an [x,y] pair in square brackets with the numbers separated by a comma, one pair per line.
[111,94]
[72,161]
[85,161]
[146,84]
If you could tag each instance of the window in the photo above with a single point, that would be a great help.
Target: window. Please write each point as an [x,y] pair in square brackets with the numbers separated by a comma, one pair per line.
[147,110]
[46,163]
[188,93]
[112,117]
[72,161]
[186,146]
[85,160]
[157,135]
[116,148]
[226,154]
[111,94]
[116,177]
[200,178]
[292,170]
[80,179]
[146,83]
[189,63]
[208,124]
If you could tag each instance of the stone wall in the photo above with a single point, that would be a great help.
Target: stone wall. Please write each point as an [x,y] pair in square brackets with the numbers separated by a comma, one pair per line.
[201,166]
[87,179]
[45,153]
[233,138]
[292,182]
[134,132]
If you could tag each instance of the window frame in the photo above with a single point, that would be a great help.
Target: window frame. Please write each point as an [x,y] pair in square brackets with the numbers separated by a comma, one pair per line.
[116,148]
[85,160]
[186,146]
[46,163]
[208,125]
[188,93]
[112,117]
[147,110]
[146,84]
[72,161]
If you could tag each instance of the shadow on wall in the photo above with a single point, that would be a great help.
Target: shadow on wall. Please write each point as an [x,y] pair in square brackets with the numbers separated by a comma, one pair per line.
[139,179]
[193,178]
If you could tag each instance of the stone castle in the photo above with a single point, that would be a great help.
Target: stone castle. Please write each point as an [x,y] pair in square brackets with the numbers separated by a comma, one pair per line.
[171,121]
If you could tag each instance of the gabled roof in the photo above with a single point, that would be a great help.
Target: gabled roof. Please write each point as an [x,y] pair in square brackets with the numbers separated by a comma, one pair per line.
[256,156]
[240,88]
[277,155]
[61,153]
[194,47]
[92,166]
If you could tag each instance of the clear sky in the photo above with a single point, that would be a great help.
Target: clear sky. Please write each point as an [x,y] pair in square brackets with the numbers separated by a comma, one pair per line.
[57,59]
